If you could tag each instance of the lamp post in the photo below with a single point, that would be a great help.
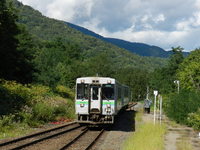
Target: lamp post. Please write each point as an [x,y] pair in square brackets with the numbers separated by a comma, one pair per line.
[178,84]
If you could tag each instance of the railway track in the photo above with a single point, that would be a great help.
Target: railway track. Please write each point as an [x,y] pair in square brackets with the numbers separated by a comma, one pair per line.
[84,141]
[69,136]
[29,140]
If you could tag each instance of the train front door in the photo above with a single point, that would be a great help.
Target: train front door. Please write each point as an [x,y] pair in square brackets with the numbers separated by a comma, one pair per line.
[95,101]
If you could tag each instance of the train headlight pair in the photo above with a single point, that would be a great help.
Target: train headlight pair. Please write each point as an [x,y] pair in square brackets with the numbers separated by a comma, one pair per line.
[81,105]
[108,106]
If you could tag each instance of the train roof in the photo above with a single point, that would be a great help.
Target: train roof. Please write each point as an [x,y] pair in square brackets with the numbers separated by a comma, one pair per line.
[99,80]
[96,80]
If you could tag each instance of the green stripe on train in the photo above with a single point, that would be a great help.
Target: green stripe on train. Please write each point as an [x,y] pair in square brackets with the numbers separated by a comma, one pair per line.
[81,102]
[111,103]
[104,103]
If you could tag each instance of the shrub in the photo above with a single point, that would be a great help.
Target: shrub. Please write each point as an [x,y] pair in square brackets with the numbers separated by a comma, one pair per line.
[33,104]
[13,96]
[43,112]
[64,91]
[6,120]
[178,106]
[193,120]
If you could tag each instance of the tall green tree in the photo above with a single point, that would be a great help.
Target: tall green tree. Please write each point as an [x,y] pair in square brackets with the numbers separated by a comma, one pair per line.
[162,79]
[15,45]
[56,63]
[8,41]
[189,71]
[100,65]
[136,79]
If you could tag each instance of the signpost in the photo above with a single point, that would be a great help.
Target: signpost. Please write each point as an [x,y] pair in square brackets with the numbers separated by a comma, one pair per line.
[155,94]
[160,109]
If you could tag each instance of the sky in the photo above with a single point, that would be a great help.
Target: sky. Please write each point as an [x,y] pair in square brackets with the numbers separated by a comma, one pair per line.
[164,23]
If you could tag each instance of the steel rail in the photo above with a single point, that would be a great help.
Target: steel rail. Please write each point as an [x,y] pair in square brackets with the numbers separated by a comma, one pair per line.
[75,139]
[45,138]
[35,134]
[95,140]
[78,137]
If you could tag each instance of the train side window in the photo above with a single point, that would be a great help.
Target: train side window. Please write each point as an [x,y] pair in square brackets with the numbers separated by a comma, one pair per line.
[108,91]
[126,92]
[82,91]
[119,93]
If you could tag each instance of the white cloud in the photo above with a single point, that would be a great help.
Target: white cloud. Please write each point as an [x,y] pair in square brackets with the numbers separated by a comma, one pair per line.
[67,10]
[162,23]
[153,37]
[159,18]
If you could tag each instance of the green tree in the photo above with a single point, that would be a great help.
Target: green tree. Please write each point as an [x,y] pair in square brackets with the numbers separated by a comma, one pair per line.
[136,79]
[162,79]
[56,63]
[15,46]
[8,40]
[189,72]
[100,65]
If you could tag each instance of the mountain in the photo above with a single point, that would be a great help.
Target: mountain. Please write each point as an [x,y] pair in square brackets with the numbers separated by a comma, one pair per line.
[48,29]
[137,48]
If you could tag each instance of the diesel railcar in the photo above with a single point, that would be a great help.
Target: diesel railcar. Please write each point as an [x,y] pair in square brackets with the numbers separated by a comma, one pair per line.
[99,99]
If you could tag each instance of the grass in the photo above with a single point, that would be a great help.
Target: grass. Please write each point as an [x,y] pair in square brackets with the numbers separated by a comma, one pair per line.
[138,117]
[148,137]
[184,144]
[14,131]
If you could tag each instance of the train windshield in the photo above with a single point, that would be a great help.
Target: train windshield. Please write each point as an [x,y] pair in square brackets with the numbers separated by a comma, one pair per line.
[82,91]
[108,91]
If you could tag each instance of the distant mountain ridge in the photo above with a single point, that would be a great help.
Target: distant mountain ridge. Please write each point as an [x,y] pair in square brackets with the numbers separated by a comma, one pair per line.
[137,48]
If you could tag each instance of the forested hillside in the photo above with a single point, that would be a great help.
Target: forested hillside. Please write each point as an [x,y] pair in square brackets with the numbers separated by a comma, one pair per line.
[62,54]
[49,29]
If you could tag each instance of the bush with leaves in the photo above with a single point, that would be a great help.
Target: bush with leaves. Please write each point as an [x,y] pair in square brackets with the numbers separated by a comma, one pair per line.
[189,72]
[34,104]
[64,91]
[193,120]
[178,106]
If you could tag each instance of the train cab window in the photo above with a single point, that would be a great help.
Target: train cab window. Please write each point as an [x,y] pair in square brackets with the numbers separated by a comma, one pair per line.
[108,91]
[82,91]
[95,93]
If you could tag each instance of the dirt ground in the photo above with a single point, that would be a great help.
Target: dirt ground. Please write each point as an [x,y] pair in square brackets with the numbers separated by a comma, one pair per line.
[179,133]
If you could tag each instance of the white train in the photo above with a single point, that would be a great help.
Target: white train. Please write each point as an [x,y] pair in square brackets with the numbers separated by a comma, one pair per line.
[99,99]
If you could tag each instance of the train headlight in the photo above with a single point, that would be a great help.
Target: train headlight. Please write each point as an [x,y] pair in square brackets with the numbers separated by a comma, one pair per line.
[109,81]
[81,105]
[108,108]
[108,105]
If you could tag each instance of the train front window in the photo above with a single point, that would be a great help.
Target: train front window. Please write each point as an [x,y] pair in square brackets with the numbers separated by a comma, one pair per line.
[95,93]
[82,91]
[108,91]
